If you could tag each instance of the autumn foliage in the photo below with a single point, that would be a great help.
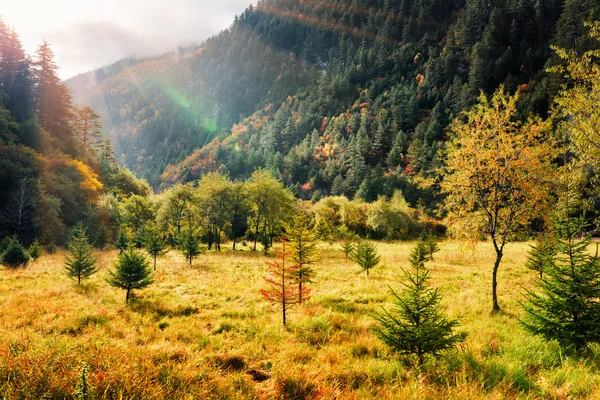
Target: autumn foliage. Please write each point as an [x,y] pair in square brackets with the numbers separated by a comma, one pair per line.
[282,282]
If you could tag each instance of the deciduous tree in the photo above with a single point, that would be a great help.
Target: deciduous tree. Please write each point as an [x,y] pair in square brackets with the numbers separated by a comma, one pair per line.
[497,174]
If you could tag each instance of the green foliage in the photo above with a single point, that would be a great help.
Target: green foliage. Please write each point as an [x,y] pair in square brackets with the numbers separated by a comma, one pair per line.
[541,254]
[154,243]
[122,242]
[366,255]
[14,256]
[51,248]
[564,306]
[189,243]
[431,245]
[35,250]
[303,249]
[132,272]
[416,325]
[348,242]
[80,263]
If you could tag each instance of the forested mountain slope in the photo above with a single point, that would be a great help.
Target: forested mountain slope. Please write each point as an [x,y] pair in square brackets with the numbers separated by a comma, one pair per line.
[337,96]
[54,170]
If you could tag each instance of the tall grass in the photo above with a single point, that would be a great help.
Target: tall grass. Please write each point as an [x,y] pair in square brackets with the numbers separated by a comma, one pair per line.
[205,332]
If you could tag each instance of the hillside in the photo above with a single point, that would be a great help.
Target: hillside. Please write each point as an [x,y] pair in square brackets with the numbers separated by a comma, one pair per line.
[335,96]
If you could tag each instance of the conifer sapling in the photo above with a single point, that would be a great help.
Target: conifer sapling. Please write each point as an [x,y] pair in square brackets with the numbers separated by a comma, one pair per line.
[35,250]
[282,283]
[14,256]
[154,243]
[416,325]
[564,306]
[122,242]
[366,256]
[431,246]
[348,242]
[132,272]
[190,245]
[80,263]
[303,249]
[541,254]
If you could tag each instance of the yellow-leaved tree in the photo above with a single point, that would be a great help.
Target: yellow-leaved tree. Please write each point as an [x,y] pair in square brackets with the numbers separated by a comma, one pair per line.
[497,174]
[577,112]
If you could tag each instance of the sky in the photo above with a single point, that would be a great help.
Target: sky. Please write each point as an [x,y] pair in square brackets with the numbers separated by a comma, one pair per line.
[87,34]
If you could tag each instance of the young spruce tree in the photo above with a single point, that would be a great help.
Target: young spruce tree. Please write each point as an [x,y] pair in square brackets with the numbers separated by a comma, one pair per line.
[366,255]
[132,272]
[348,242]
[122,242]
[541,254]
[283,288]
[80,263]
[154,243]
[190,245]
[564,306]
[416,326]
[35,250]
[303,250]
[14,256]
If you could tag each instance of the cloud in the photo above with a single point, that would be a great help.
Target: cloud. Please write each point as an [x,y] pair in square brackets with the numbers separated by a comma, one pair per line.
[86,35]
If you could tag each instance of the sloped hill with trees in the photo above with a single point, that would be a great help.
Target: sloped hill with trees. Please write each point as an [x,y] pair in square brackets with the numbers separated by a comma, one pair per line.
[338,97]
[55,168]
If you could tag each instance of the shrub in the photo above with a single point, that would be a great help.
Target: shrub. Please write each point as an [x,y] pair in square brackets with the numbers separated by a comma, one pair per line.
[51,248]
[35,250]
[15,256]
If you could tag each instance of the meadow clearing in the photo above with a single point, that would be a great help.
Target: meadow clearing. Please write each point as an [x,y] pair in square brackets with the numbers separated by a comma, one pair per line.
[205,333]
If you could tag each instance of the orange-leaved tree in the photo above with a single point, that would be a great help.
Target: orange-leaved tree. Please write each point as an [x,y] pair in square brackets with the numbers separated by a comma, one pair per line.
[497,174]
[282,281]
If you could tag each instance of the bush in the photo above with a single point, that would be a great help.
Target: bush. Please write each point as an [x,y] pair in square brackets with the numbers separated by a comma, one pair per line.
[35,250]
[51,248]
[14,256]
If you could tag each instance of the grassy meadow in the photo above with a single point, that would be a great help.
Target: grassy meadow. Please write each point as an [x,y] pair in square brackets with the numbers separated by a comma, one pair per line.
[205,333]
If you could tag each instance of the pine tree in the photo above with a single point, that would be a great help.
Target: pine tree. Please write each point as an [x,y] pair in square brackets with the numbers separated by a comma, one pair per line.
[88,126]
[14,256]
[366,255]
[122,242]
[35,250]
[416,326]
[303,249]
[564,306]
[81,263]
[431,245]
[154,243]
[283,283]
[348,242]
[190,245]
[132,272]
[541,254]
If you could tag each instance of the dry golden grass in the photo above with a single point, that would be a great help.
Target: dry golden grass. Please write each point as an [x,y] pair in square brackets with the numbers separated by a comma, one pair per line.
[201,332]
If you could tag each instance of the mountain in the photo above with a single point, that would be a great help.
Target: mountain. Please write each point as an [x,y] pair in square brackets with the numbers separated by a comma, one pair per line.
[337,96]
[53,174]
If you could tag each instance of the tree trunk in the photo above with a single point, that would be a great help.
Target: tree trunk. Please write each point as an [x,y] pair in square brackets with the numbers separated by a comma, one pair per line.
[256,232]
[127,296]
[495,306]
[155,262]
[233,249]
